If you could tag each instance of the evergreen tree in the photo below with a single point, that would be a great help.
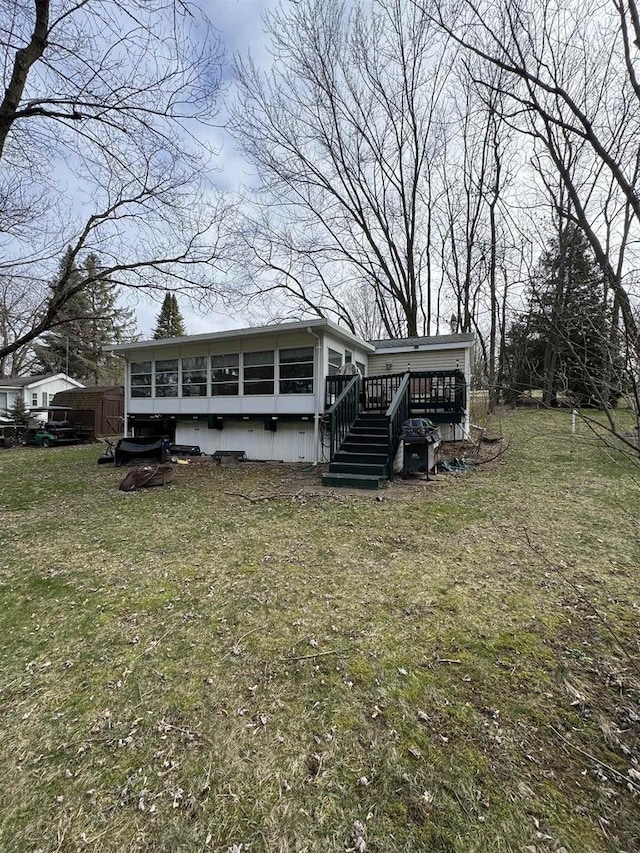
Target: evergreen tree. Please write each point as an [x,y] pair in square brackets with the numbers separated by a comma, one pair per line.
[562,344]
[60,351]
[170,323]
[18,411]
[109,323]
[91,320]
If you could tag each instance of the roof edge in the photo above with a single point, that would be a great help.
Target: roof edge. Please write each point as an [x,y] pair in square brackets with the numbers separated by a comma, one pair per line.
[320,323]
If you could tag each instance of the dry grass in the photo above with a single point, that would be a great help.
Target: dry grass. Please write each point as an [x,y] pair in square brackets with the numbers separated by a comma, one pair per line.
[184,670]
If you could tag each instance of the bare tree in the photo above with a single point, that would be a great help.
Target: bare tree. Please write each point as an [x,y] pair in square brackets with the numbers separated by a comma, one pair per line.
[98,148]
[343,131]
[573,82]
[474,225]
[574,93]
[16,313]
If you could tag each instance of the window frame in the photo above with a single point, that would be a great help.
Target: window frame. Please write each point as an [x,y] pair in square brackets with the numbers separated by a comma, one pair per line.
[149,373]
[332,368]
[187,383]
[221,383]
[254,387]
[173,385]
[291,381]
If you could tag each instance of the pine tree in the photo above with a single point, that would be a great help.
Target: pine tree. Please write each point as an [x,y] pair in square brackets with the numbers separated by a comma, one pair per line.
[109,324]
[562,344]
[18,411]
[76,346]
[60,351]
[170,323]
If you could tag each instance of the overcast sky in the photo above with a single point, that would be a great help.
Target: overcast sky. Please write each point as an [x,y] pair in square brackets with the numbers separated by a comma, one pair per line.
[241,29]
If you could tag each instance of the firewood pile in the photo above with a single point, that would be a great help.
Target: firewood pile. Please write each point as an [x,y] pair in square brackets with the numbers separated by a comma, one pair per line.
[146,476]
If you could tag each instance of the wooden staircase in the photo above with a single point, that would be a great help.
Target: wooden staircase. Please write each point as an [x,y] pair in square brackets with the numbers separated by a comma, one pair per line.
[361,462]
[364,417]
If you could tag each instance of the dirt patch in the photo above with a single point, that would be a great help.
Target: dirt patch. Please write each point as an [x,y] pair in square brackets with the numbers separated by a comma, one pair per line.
[305,481]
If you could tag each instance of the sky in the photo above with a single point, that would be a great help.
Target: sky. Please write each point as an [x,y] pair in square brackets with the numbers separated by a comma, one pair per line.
[240,25]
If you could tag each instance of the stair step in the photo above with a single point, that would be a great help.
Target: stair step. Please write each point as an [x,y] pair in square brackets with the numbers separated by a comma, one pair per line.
[361,458]
[353,481]
[357,468]
[376,421]
[366,438]
[368,429]
[368,447]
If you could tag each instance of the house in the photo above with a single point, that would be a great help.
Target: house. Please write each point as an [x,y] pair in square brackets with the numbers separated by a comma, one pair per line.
[287,392]
[102,404]
[36,391]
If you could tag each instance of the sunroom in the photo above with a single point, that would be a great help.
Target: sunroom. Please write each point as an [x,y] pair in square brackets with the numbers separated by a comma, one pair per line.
[266,390]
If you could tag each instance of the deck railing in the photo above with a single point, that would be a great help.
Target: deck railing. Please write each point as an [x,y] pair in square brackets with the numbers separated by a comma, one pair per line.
[432,391]
[333,387]
[343,413]
[396,415]
[438,391]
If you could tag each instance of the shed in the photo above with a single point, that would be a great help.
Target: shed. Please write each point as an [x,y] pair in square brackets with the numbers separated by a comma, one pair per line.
[105,401]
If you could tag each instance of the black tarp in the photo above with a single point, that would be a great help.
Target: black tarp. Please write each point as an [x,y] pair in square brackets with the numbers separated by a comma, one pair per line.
[148,447]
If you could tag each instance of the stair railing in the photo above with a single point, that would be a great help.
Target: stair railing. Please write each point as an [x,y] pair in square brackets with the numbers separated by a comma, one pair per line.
[397,414]
[342,415]
[334,386]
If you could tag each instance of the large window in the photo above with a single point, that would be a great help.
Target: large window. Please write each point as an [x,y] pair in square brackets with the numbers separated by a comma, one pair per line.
[167,378]
[194,376]
[258,372]
[296,371]
[335,362]
[225,375]
[141,379]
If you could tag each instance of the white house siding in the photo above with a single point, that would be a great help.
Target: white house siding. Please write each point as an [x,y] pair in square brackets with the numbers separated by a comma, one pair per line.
[442,359]
[453,432]
[292,442]
[37,387]
[258,404]
[7,399]
[333,342]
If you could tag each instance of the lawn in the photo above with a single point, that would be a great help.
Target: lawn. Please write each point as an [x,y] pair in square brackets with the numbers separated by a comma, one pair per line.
[451,668]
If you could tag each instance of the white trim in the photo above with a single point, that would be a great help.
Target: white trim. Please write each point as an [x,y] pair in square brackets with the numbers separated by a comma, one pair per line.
[468,345]
[127,393]
[251,331]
